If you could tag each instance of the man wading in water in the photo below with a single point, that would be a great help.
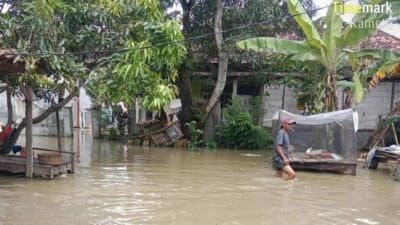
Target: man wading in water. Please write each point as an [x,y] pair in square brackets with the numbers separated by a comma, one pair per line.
[280,159]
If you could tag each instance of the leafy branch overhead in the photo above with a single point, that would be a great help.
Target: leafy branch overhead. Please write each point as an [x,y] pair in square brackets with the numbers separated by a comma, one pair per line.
[84,34]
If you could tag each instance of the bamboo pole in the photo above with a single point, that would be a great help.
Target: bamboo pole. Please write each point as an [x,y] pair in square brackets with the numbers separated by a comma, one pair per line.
[395,134]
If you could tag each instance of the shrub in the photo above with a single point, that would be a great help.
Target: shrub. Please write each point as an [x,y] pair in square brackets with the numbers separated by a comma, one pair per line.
[238,130]
[196,135]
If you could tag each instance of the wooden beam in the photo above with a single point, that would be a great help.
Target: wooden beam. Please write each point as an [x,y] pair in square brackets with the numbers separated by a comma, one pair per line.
[240,74]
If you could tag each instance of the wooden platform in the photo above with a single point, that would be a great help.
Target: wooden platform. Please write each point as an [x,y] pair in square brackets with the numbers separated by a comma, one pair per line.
[17,164]
[385,155]
[302,161]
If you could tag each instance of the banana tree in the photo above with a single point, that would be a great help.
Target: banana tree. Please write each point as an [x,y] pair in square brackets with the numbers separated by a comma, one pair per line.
[391,70]
[385,63]
[324,47]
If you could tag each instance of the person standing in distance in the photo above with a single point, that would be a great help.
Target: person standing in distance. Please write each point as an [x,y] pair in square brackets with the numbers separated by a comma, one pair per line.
[280,158]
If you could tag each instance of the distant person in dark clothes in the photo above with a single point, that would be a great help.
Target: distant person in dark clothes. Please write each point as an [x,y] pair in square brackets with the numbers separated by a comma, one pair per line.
[280,159]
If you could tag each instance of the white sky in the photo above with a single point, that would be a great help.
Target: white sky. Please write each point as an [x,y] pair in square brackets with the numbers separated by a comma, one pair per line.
[5,8]
[324,3]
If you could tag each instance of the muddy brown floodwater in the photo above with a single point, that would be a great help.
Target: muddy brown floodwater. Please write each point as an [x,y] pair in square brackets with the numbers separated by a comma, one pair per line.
[118,184]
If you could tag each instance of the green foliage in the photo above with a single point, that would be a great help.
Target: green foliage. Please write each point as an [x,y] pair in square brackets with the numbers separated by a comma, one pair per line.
[255,110]
[113,134]
[31,28]
[391,119]
[325,47]
[238,130]
[211,145]
[102,116]
[236,14]
[307,86]
[142,72]
[130,28]
[196,135]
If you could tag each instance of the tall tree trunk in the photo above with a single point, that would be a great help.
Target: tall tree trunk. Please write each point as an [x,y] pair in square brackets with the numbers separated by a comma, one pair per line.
[214,117]
[28,93]
[184,83]
[348,100]
[222,62]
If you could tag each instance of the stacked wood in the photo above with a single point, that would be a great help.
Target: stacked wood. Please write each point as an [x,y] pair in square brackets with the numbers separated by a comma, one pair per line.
[378,135]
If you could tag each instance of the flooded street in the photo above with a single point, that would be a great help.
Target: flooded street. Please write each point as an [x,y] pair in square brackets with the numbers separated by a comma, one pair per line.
[116,184]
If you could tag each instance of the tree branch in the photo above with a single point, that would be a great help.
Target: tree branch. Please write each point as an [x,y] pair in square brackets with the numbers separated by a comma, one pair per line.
[50,110]
[41,117]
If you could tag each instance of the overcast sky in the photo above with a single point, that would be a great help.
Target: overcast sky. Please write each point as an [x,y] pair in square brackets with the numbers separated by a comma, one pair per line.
[324,3]
[393,29]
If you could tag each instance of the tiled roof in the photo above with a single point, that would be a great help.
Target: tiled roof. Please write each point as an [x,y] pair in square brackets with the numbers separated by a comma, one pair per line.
[383,40]
[379,39]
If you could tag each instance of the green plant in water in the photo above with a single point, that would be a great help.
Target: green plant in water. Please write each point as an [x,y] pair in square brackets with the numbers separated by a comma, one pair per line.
[211,145]
[196,135]
[256,112]
[113,135]
[238,130]
[103,117]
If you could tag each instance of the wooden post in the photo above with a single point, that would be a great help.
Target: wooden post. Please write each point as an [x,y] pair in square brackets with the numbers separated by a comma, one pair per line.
[234,87]
[28,92]
[58,130]
[392,96]
[76,112]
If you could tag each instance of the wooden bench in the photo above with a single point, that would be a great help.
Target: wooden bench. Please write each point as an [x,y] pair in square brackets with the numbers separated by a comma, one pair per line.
[17,164]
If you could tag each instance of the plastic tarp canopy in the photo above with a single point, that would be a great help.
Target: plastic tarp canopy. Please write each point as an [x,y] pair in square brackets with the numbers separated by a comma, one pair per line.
[332,131]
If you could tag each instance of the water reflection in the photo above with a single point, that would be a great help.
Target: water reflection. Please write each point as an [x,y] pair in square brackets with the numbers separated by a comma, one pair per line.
[124,184]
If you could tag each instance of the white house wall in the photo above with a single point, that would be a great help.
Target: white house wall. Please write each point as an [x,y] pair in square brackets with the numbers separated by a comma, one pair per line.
[48,126]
